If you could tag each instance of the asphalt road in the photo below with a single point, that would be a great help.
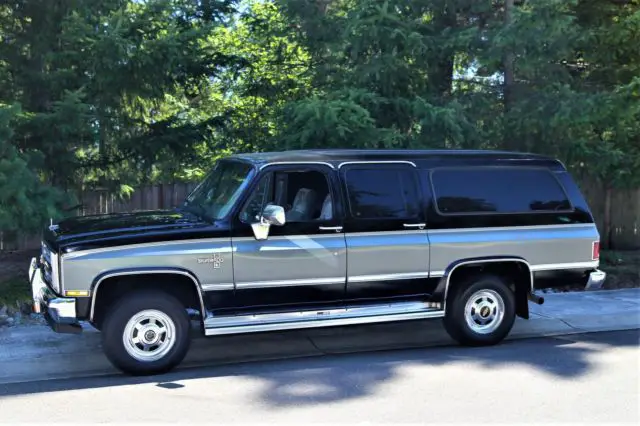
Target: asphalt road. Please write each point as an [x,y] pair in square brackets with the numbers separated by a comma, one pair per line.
[577,378]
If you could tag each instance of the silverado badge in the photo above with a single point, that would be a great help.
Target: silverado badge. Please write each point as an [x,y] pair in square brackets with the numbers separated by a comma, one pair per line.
[215,259]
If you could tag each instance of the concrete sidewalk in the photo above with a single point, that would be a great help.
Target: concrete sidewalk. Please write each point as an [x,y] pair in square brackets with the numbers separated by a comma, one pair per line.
[32,353]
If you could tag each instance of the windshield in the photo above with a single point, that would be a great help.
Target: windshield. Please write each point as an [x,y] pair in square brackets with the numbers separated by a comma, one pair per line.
[218,192]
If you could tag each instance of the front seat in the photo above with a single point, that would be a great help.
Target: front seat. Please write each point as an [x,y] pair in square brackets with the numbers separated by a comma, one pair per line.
[303,206]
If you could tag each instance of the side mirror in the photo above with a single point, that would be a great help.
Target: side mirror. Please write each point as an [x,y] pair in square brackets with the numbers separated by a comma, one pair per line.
[271,215]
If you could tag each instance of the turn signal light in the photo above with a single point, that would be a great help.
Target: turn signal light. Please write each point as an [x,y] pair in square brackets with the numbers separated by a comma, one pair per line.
[76,293]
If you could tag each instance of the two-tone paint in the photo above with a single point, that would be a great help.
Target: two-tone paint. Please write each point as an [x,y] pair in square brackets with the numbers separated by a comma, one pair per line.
[338,266]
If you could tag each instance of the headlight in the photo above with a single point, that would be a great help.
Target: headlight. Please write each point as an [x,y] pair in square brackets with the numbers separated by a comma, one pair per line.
[49,260]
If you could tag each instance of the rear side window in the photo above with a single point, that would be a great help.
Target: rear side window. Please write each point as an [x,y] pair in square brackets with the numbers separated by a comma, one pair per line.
[382,193]
[498,190]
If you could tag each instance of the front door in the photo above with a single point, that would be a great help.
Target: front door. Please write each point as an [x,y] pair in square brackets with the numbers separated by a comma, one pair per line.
[301,264]
[386,232]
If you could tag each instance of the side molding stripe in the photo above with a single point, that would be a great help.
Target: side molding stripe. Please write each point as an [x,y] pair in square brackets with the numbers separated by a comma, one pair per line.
[217,287]
[289,283]
[559,266]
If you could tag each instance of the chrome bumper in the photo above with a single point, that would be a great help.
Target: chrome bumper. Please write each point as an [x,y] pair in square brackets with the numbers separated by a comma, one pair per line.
[60,312]
[596,280]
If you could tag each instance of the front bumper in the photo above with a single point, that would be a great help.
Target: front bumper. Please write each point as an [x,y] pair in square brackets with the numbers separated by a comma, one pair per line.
[59,312]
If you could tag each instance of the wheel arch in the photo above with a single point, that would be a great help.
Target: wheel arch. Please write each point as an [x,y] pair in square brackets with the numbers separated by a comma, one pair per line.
[521,290]
[130,272]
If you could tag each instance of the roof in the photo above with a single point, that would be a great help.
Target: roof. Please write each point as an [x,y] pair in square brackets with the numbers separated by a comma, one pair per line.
[343,155]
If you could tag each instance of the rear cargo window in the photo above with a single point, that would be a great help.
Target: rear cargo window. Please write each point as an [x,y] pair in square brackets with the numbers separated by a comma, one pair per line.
[498,190]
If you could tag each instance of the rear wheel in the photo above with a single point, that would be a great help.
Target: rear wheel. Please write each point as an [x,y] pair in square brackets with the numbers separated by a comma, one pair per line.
[147,332]
[481,311]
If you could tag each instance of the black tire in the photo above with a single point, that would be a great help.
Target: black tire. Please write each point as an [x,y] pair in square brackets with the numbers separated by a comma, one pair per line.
[115,323]
[455,320]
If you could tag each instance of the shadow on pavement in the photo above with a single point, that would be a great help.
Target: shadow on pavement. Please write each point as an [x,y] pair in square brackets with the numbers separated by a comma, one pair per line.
[331,378]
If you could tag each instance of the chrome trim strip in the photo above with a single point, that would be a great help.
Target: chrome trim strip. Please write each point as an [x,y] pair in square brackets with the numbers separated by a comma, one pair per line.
[329,317]
[573,265]
[217,286]
[388,277]
[144,272]
[289,283]
[301,163]
[471,262]
[387,233]
[377,162]
[543,267]
[512,228]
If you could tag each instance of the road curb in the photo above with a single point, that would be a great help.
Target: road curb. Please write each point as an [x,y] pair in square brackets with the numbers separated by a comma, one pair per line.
[32,353]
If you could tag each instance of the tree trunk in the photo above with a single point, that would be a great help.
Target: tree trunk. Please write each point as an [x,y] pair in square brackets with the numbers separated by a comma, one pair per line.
[607,237]
[509,79]
[441,72]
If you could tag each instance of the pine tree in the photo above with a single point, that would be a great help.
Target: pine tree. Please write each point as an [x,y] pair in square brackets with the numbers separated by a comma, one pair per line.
[25,202]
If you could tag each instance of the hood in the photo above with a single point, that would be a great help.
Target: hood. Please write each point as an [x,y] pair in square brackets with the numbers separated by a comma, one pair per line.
[125,228]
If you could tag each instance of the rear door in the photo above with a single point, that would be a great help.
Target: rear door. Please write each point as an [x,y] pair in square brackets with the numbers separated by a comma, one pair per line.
[385,231]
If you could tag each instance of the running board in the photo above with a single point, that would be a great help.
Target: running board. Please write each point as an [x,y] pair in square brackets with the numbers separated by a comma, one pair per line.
[401,311]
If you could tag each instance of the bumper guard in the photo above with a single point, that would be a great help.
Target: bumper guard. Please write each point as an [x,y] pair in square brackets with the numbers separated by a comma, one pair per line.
[596,280]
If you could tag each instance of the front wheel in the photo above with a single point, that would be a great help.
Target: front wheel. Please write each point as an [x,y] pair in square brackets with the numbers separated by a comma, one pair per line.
[481,311]
[146,333]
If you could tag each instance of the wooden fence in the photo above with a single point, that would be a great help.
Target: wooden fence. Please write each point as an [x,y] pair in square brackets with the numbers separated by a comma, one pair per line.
[624,211]
[101,202]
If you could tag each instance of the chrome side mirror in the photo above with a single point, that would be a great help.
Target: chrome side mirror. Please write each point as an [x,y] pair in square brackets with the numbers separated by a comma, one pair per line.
[271,215]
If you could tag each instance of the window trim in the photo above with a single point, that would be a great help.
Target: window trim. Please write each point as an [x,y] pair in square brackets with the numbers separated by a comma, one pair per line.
[367,166]
[434,194]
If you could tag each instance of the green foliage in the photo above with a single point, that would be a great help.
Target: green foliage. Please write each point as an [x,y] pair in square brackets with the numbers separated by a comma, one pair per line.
[113,89]
[118,93]
[15,290]
[381,79]
[25,203]
[430,74]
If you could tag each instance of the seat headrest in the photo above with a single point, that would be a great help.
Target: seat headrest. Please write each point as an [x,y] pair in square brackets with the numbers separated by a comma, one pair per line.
[303,205]
[327,208]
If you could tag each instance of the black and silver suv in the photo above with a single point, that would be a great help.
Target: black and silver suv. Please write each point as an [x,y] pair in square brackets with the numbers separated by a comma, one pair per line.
[298,239]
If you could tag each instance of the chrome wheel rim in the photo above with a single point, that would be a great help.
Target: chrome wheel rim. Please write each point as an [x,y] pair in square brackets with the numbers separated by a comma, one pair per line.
[484,311]
[149,335]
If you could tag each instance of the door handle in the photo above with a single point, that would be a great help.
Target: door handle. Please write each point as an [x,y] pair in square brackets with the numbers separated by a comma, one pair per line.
[331,228]
[415,225]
